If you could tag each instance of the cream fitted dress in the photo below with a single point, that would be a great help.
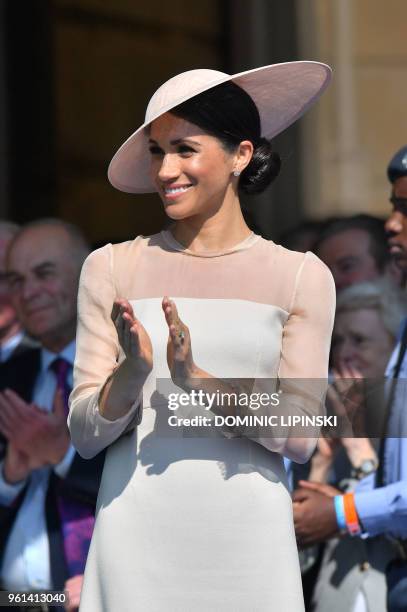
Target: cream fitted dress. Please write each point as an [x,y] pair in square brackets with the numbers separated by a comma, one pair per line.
[195,524]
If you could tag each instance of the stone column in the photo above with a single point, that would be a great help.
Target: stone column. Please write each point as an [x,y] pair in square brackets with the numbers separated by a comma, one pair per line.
[262,33]
[350,159]
[4,192]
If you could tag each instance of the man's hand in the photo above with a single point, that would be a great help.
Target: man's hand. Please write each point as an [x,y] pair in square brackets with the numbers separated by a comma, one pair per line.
[314,513]
[19,421]
[74,587]
[55,438]
[36,437]
[320,487]
[17,465]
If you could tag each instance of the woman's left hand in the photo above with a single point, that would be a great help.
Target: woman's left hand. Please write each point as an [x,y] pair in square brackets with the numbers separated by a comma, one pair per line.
[179,350]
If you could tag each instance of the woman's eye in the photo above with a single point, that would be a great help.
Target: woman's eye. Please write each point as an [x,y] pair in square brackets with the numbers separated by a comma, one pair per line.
[185,149]
[155,151]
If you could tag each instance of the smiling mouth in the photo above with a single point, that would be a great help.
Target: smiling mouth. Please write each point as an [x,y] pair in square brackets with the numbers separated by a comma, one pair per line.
[396,249]
[36,311]
[174,192]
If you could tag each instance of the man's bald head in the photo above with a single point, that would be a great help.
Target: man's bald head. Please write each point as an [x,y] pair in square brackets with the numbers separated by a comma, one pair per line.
[44,260]
[72,237]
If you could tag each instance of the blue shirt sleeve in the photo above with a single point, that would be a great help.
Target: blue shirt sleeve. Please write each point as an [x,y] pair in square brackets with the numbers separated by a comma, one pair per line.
[383,510]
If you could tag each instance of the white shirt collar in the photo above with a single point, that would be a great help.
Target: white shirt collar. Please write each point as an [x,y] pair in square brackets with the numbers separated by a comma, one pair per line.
[8,347]
[68,353]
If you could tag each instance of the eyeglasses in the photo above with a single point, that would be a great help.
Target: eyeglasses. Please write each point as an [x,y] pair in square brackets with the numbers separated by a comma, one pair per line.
[399,204]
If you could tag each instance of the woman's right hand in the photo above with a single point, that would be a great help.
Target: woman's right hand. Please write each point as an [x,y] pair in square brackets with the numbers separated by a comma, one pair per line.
[133,337]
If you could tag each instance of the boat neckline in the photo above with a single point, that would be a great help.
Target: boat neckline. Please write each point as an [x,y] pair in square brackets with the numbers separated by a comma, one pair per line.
[249,241]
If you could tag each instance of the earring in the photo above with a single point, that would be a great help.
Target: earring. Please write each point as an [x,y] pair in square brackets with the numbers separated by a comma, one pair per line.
[236,173]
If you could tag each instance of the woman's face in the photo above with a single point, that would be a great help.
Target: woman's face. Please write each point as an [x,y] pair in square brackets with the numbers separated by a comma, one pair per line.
[191,169]
[361,340]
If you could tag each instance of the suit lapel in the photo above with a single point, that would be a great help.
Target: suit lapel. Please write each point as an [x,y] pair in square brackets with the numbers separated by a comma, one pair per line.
[20,372]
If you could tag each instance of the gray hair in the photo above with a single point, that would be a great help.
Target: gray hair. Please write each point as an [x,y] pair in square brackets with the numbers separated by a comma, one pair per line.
[381,295]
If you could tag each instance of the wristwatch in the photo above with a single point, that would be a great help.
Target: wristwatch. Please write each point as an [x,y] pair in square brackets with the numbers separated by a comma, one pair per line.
[365,468]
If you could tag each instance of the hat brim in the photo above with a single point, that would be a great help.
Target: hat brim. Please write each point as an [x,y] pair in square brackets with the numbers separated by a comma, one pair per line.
[281,92]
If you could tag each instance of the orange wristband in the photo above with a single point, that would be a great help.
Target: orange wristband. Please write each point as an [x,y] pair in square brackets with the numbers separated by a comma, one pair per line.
[351,516]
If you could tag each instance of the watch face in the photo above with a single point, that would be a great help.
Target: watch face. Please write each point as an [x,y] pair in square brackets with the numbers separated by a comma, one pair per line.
[368,466]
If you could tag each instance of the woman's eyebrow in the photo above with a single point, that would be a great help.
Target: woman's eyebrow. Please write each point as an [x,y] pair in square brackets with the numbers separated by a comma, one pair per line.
[177,141]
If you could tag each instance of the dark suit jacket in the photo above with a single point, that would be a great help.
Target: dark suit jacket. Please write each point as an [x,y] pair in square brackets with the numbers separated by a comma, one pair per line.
[81,483]
[26,343]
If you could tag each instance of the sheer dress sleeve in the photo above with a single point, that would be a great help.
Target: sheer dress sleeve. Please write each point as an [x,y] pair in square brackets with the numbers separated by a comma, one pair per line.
[303,370]
[308,330]
[97,357]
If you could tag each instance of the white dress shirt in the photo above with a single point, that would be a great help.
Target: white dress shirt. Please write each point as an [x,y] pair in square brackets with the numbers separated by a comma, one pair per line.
[26,561]
[8,347]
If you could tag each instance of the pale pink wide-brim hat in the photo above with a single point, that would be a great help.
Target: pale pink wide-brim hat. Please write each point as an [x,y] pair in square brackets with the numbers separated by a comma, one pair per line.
[281,92]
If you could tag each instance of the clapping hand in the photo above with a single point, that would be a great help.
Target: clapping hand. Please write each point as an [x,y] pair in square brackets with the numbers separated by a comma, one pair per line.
[35,437]
[179,351]
[347,386]
[133,337]
[122,390]
[347,396]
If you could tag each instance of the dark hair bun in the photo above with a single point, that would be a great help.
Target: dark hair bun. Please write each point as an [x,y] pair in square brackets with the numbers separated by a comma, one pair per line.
[263,168]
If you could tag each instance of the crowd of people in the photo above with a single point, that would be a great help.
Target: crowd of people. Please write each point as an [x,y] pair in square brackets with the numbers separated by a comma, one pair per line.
[365,569]
[48,491]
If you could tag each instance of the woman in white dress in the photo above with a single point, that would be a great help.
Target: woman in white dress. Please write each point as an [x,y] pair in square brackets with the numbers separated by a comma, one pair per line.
[199,520]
